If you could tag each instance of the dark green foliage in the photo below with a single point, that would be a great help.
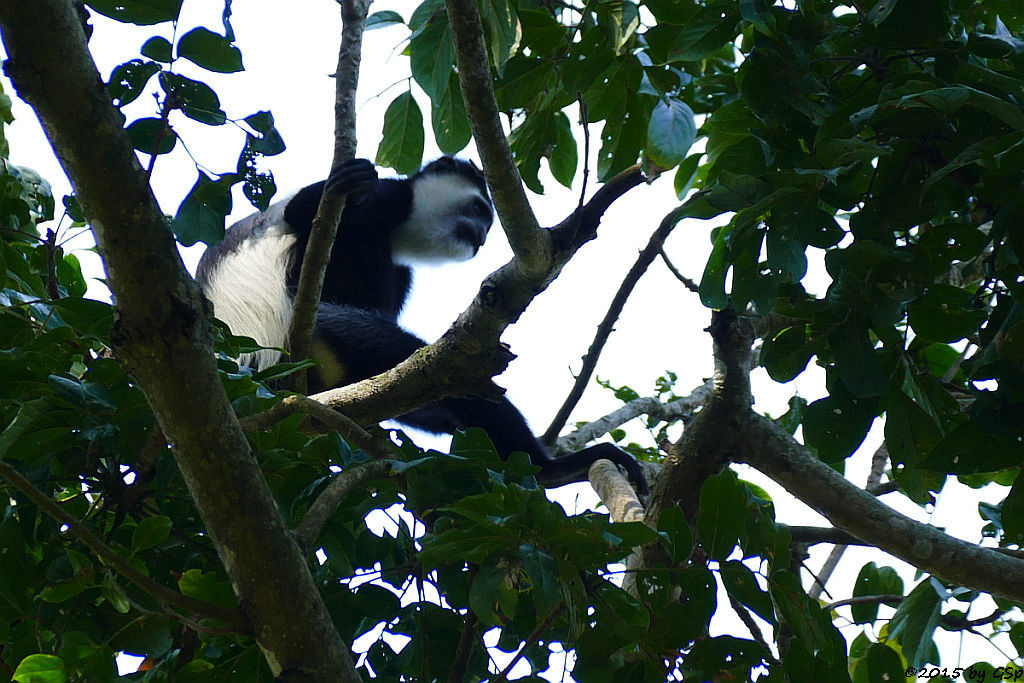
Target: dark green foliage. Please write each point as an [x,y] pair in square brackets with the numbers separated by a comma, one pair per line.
[885,138]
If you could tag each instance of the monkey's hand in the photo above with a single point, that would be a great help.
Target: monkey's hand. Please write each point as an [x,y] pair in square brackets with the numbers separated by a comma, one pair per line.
[356,178]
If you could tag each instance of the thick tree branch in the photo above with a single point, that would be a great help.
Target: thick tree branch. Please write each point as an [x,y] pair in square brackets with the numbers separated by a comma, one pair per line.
[530,244]
[812,535]
[119,563]
[464,359]
[163,336]
[328,213]
[607,324]
[774,452]
[878,462]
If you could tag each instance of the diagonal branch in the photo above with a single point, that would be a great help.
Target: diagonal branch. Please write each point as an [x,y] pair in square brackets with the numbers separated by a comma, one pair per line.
[607,325]
[344,483]
[530,244]
[464,359]
[774,452]
[328,213]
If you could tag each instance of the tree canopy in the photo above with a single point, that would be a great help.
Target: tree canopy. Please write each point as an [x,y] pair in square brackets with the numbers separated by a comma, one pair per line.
[159,500]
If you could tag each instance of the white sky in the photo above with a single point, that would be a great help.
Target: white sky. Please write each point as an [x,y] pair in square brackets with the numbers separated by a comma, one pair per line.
[289,50]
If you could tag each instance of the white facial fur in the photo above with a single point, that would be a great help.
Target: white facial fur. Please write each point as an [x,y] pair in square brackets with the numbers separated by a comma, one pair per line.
[251,293]
[426,236]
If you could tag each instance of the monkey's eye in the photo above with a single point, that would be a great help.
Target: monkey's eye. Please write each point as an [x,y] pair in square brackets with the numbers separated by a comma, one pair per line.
[480,208]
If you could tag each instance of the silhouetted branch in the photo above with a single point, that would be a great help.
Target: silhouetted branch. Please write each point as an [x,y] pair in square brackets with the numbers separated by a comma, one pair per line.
[332,204]
[607,324]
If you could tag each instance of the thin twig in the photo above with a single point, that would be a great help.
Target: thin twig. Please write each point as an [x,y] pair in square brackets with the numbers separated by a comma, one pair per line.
[123,567]
[605,328]
[375,444]
[863,600]
[465,649]
[687,282]
[530,641]
[755,631]
[325,504]
[332,204]
[585,123]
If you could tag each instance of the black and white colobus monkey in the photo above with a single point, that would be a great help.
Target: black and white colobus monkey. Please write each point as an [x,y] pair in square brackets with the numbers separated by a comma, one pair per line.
[442,213]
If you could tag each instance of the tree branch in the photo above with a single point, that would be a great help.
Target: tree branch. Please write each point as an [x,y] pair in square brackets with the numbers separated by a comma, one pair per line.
[774,452]
[341,485]
[375,444]
[530,245]
[863,600]
[120,564]
[680,409]
[328,213]
[687,282]
[605,328]
[163,336]
[878,462]
[464,359]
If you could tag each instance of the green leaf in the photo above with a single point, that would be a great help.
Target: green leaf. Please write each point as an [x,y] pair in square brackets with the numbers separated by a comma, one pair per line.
[914,624]
[675,533]
[402,146]
[152,136]
[686,175]
[383,20]
[542,570]
[196,100]
[874,580]
[671,132]
[563,157]
[542,33]
[210,50]
[857,361]
[742,584]
[712,283]
[449,121]
[40,669]
[786,354]
[970,449]
[150,532]
[836,428]
[269,141]
[200,217]
[89,395]
[27,414]
[128,80]
[432,56]
[158,49]
[1013,512]
[501,29]
[206,586]
[881,10]
[946,314]
[139,12]
[721,519]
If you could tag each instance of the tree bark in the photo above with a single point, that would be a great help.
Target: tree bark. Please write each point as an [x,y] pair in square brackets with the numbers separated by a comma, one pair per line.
[163,337]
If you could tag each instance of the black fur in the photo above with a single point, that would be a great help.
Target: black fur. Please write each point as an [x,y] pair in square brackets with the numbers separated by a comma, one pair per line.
[365,289]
